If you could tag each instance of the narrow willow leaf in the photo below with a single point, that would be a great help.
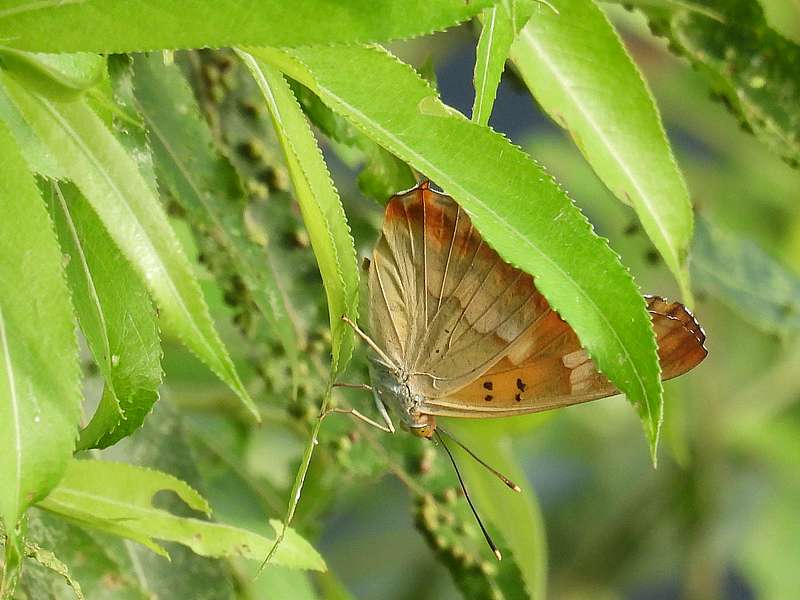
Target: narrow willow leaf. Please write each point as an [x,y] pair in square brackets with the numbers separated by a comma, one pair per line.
[106,25]
[62,76]
[500,25]
[51,562]
[319,202]
[116,316]
[578,70]
[165,443]
[205,184]
[515,204]
[110,181]
[330,237]
[39,158]
[382,174]
[737,272]
[39,377]
[117,498]
[127,124]
[72,545]
[745,62]
[516,516]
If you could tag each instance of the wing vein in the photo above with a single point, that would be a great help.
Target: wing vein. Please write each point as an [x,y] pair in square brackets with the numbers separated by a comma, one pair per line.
[411,293]
[425,259]
[447,262]
[424,338]
[468,304]
[388,308]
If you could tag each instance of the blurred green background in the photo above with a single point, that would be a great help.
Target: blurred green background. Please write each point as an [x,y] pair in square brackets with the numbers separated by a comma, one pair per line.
[717,519]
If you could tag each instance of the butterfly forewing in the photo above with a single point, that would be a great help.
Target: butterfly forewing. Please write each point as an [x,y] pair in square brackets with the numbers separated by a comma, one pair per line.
[458,306]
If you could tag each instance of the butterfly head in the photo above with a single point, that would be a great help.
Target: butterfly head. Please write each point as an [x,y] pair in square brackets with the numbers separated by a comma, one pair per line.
[393,388]
[423,426]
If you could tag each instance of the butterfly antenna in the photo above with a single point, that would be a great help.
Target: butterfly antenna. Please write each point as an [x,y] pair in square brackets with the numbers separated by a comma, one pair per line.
[486,535]
[494,471]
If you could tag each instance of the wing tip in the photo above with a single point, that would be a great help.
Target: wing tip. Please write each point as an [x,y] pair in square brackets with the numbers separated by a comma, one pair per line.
[676,311]
[683,356]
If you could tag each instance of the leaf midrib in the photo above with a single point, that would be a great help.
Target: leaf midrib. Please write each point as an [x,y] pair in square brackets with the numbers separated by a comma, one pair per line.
[479,102]
[133,508]
[92,290]
[14,415]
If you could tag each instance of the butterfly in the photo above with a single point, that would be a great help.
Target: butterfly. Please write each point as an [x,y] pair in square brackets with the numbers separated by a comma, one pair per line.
[458,332]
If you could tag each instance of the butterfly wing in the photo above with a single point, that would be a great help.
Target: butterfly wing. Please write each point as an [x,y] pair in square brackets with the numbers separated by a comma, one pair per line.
[443,304]
[547,368]
[474,332]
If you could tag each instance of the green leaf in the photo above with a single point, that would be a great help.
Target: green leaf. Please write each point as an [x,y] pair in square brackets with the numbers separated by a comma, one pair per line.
[748,65]
[117,498]
[161,445]
[109,179]
[39,376]
[320,205]
[579,71]
[738,273]
[49,560]
[280,582]
[476,573]
[382,174]
[107,25]
[61,76]
[127,124]
[516,515]
[205,184]
[40,160]
[116,317]
[328,230]
[500,25]
[89,561]
[516,206]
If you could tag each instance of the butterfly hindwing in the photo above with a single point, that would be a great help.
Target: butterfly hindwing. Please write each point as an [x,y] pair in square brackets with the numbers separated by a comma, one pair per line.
[557,372]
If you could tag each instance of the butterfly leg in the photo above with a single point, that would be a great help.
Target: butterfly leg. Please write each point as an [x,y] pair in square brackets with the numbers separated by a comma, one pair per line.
[382,411]
[353,412]
[389,427]
[355,386]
